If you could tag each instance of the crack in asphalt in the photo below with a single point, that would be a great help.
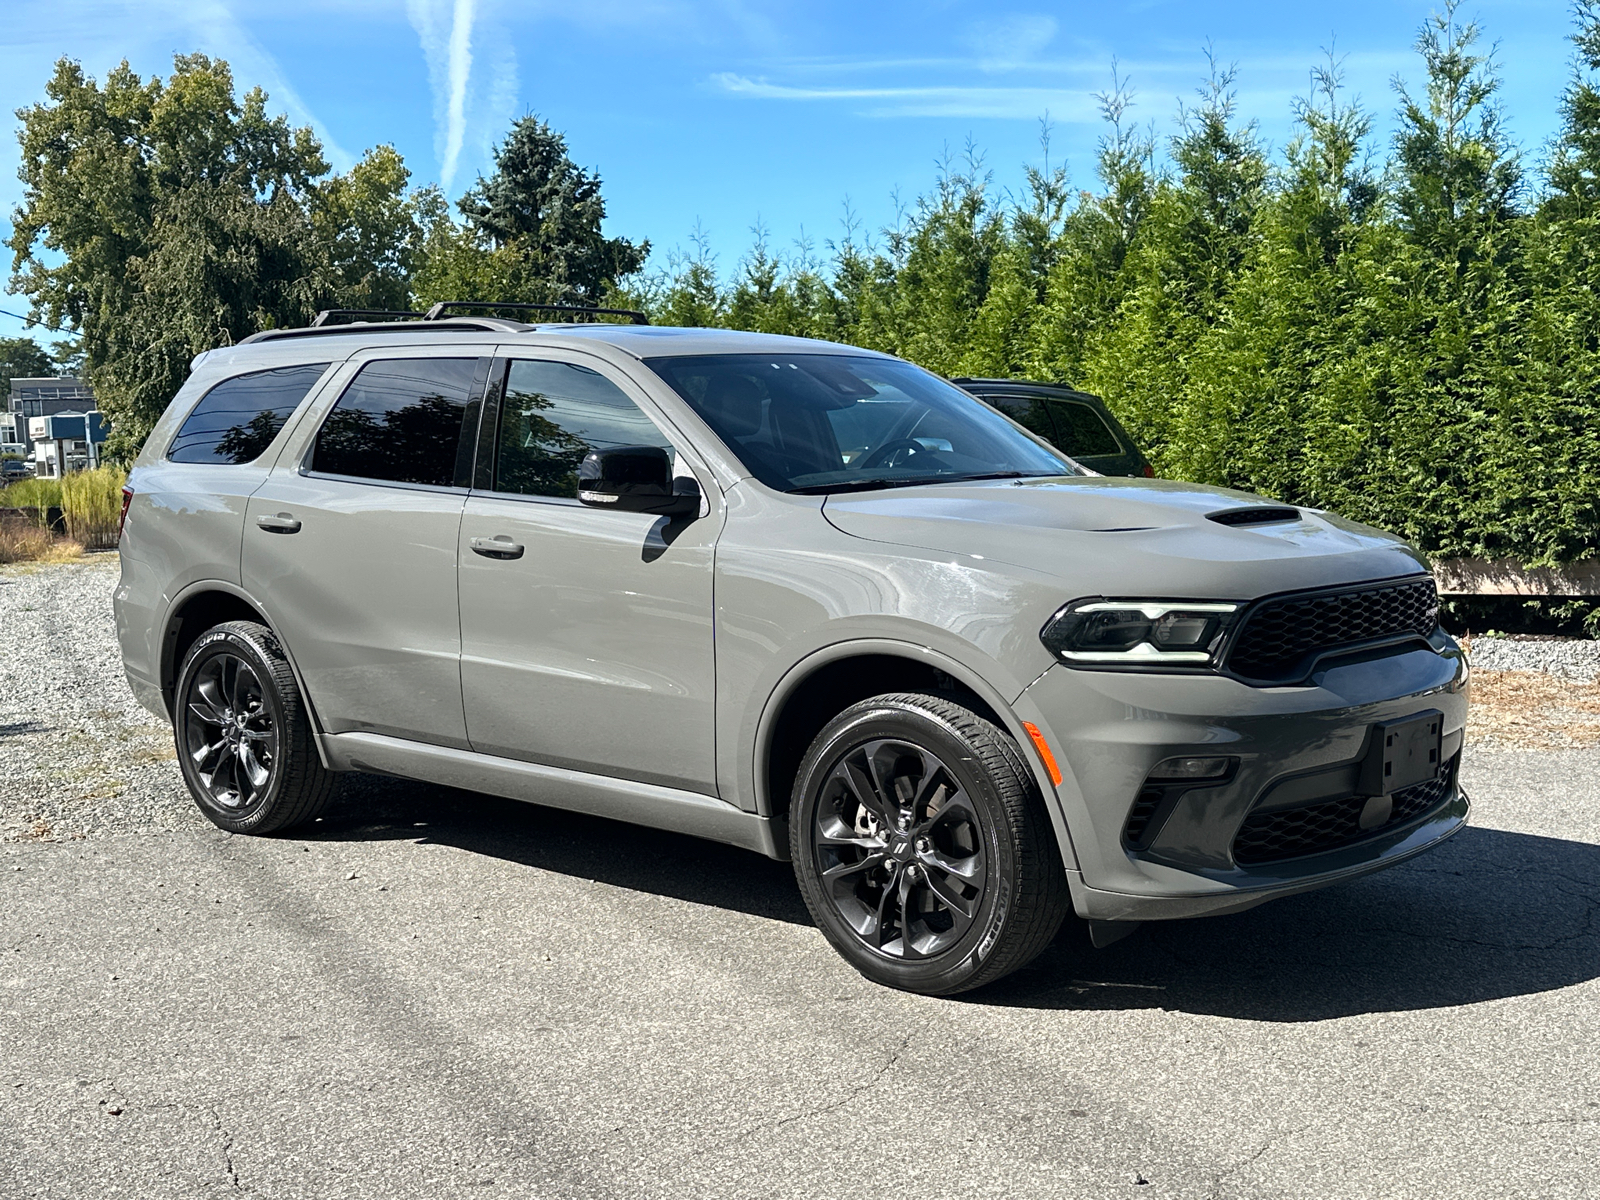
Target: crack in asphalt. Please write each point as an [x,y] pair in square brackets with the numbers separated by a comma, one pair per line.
[806,1114]
[1254,1157]
[227,1149]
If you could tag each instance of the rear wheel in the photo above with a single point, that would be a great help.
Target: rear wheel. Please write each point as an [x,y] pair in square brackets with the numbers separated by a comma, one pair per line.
[922,847]
[244,741]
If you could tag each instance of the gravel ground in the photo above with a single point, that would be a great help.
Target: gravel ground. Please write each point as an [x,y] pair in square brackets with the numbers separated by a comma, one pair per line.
[78,755]
[1571,658]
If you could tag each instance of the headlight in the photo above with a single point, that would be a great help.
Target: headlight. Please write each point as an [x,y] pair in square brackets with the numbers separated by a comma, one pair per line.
[1139,633]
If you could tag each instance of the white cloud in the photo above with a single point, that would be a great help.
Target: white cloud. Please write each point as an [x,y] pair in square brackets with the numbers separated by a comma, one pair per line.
[454,39]
[1027,103]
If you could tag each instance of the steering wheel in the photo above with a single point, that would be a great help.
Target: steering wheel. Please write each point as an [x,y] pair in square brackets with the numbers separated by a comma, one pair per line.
[881,456]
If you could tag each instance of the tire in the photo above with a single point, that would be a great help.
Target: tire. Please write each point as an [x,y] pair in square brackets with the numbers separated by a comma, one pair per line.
[244,741]
[977,866]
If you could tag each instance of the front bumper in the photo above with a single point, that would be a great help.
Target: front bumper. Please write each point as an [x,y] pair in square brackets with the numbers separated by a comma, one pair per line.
[1293,745]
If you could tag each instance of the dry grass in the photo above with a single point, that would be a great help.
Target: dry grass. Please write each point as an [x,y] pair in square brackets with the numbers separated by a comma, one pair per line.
[22,541]
[1533,710]
[91,504]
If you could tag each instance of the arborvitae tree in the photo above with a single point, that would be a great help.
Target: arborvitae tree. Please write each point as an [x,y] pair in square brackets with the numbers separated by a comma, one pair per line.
[693,297]
[945,257]
[1086,285]
[1180,269]
[1005,334]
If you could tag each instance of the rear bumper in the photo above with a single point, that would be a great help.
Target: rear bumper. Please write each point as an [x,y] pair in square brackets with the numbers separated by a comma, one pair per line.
[1111,729]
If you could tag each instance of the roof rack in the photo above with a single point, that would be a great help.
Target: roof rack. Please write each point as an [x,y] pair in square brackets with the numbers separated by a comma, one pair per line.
[439,310]
[330,316]
[437,319]
[454,325]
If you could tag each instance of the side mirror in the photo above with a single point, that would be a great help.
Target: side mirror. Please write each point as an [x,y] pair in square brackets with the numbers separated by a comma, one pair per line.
[636,479]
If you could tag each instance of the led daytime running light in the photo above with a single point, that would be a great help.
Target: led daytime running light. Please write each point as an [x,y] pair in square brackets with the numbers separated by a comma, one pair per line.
[1140,633]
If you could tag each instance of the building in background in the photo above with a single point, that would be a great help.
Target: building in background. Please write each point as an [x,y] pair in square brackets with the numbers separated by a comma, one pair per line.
[64,397]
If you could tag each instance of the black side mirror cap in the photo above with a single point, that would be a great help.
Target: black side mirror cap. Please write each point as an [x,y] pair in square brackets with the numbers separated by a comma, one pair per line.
[636,479]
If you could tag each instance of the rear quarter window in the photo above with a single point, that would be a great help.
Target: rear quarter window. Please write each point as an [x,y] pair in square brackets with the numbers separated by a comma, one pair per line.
[236,421]
[1081,431]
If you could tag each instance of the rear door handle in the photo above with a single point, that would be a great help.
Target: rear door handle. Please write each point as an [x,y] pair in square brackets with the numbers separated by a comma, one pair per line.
[282,523]
[499,546]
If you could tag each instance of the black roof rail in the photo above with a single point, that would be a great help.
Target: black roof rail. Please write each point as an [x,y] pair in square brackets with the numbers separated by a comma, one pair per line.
[438,311]
[453,325]
[330,316]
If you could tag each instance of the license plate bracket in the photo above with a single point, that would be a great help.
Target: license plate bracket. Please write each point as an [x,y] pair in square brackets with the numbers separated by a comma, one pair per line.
[1403,753]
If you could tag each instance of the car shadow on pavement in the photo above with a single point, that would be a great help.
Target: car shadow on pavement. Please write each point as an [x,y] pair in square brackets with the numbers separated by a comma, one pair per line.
[1486,916]
[370,808]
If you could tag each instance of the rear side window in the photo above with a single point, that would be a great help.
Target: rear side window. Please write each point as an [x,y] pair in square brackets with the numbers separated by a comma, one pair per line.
[1082,432]
[553,414]
[1031,413]
[236,420]
[399,421]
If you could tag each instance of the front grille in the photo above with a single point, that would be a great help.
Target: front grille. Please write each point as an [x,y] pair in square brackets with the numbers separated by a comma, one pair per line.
[1292,832]
[1280,637]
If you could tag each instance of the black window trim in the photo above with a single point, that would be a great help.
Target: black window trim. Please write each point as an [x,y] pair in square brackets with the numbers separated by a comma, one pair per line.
[328,369]
[473,411]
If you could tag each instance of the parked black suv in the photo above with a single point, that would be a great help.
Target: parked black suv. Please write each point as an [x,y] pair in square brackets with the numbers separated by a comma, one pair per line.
[1076,423]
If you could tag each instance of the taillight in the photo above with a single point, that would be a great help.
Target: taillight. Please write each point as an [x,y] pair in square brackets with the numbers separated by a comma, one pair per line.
[1149,473]
[122,521]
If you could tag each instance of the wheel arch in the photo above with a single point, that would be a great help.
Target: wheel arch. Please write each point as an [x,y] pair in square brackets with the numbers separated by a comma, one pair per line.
[207,603]
[829,680]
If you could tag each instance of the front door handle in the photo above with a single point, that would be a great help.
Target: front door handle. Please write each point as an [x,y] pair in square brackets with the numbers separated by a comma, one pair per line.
[499,546]
[281,523]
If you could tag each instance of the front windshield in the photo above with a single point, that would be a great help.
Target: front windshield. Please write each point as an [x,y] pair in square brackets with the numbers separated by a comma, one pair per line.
[840,422]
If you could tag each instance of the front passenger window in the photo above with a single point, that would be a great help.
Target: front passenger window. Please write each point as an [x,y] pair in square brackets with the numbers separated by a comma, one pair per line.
[553,414]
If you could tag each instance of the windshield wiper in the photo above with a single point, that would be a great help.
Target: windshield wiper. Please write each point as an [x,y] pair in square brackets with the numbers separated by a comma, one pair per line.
[859,485]
[1000,475]
[863,485]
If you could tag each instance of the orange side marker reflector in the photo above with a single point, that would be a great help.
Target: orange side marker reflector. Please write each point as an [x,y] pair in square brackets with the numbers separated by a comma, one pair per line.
[1044,752]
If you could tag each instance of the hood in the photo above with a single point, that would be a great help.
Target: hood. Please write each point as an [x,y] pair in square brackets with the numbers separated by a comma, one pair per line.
[1126,537]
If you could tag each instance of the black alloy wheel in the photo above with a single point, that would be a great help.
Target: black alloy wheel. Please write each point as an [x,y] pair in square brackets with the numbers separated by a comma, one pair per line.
[229,734]
[922,847]
[243,737]
[900,849]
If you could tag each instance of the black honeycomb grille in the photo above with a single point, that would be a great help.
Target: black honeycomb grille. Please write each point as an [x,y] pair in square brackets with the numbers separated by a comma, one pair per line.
[1292,832]
[1280,637]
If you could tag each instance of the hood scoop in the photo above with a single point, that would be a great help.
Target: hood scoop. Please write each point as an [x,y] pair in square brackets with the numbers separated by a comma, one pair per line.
[1256,514]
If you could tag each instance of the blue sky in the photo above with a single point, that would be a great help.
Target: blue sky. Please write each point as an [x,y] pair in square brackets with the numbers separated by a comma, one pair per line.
[726,112]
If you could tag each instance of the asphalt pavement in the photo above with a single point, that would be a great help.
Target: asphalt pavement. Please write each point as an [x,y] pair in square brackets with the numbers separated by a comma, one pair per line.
[436,994]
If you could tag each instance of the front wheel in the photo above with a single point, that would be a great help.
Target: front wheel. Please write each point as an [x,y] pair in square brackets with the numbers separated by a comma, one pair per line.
[244,741]
[922,847]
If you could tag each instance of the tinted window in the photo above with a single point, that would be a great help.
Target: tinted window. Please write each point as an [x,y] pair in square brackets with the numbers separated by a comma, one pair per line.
[1083,433]
[552,415]
[399,421]
[1030,412]
[236,420]
[835,422]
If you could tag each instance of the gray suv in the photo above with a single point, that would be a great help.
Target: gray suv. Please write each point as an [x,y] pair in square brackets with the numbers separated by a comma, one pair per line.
[789,595]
